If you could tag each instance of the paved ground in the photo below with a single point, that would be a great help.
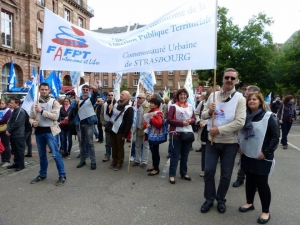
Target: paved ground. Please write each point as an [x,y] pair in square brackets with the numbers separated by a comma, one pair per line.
[104,196]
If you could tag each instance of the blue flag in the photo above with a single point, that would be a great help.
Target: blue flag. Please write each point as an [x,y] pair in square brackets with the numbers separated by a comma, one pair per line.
[103,96]
[59,80]
[42,79]
[12,77]
[53,83]
[33,71]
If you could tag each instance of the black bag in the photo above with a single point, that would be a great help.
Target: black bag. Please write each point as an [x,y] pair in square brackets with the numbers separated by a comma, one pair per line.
[108,126]
[187,136]
[204,134]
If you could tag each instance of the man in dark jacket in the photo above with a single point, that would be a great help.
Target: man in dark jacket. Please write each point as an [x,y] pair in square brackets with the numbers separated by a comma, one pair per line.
[121,115]
[16,131]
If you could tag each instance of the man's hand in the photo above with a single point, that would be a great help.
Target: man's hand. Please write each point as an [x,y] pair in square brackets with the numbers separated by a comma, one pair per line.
[7,133]
[202,124]
[94,85]
[77,99]
[213,131]
[280,121]
[110,107]
[261,156]
[212,108]
[240,151]
[35,123]
[37,108]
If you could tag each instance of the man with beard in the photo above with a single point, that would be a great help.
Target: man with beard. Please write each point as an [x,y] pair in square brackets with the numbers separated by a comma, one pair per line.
[121,117]
[229,111]
[104,118]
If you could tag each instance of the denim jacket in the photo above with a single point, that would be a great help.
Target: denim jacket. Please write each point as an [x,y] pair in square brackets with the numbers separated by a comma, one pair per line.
[74,107]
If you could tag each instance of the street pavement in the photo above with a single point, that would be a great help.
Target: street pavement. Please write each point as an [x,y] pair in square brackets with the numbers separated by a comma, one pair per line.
[104,196]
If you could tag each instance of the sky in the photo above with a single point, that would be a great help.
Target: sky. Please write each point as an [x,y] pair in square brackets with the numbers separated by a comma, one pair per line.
[114,13]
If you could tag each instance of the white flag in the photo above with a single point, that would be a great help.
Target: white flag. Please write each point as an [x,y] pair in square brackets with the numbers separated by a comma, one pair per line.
[117,86]
[31,96]
[188,85]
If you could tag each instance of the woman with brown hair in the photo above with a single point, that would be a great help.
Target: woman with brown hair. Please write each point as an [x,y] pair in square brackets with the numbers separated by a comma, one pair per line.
[65,134]
[5,114]
[180,117]
[286,115]
[258,140]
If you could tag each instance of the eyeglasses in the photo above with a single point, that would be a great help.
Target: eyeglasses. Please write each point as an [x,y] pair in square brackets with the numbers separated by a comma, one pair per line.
[85,89]
[227,78]
[98,101]
[110,95]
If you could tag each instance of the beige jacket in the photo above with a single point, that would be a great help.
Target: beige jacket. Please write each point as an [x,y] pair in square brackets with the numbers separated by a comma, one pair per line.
[53,115]
[232,127]
[146,109]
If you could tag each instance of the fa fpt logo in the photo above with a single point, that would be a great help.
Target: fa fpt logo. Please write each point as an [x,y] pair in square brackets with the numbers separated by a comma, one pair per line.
[70,37]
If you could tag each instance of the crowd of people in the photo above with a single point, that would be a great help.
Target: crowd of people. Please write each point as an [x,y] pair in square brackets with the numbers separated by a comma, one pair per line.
[227,122]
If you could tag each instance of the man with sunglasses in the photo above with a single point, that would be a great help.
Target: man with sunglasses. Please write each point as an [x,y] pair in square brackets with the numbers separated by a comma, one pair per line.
[229,111]
[84,121]
[104,120]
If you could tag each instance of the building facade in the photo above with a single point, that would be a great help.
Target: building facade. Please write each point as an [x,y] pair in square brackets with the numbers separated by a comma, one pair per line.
[22,25]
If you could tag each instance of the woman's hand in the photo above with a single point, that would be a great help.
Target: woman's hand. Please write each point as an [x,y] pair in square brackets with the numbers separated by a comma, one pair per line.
[202,124]
[261,156]
[66,118]
[280,121]
[186,123]
[240,151]
[148,125]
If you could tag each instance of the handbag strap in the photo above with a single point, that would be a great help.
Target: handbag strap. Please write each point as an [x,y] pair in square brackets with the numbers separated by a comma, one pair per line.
[119,115]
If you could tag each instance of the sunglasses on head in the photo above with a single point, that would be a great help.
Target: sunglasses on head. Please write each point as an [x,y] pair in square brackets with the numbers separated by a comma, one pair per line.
[227,78]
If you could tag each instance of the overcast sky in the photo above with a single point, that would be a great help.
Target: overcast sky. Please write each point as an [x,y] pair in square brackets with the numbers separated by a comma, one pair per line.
[113,13]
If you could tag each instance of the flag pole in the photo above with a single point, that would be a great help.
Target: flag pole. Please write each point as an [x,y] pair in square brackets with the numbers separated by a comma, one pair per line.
[129,156]
[215,70]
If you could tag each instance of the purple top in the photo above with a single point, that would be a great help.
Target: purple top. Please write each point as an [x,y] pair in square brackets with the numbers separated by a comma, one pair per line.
[6,116]
[176,123]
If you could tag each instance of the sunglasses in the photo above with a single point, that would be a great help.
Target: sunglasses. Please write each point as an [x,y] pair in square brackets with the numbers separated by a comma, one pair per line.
[139,97]
[227,78]
[110,95]
[85,89]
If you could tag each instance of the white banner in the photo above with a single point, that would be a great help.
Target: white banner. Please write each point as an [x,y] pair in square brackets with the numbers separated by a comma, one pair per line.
[184,38]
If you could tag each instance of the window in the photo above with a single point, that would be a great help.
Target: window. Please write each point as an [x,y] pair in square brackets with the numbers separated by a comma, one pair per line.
[181,82]
[97,73]
[39,38]
[158,82]
[80,22]
[182,72]
[105,83]
[135,82]
[79,2]
[6,28]
[171,72]
[136,73]
[5,76]
[158,72]
[105,74]
[67,15]
[41,2]
[171,83]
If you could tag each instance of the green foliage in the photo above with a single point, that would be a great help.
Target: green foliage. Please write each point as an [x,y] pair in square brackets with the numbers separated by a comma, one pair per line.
[123,87]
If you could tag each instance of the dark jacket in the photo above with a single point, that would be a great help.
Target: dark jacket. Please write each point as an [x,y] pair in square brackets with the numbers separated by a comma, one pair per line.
[270,144]
[275,106]
[98,111]
[28,127]
[285,117]
[126,124]
[16,124]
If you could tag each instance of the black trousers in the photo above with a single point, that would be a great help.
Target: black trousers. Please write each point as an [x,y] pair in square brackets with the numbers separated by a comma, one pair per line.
[155,156]
[227,154]
[241,173]
[18,147]
[100,130]
[259,182]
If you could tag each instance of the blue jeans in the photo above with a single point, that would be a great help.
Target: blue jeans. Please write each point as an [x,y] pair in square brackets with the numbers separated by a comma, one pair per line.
[285,128]
[107,145]
[48,139]
[85,134]
[95,132]
[133,149]
[227,154]
[179,148]
[66,141]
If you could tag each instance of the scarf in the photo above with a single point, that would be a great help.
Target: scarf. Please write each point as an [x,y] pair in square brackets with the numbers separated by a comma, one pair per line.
[121,105]
[44,99]
[248,127]
[291,108]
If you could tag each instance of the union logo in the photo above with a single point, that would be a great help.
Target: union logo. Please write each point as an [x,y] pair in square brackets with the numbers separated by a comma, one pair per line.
[70,37]
[219,112]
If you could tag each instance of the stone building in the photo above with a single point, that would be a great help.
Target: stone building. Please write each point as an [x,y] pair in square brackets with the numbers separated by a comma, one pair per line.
[22,32]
